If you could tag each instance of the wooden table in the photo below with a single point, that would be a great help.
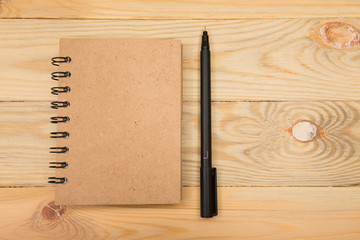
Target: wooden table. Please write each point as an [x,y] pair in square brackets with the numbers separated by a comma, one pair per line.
[286,116]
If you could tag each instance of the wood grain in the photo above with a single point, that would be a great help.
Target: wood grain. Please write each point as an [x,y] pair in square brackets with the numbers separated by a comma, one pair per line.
[245,213]
[252,144]
[260,59]
[24,143]
[309,50]
[157,9]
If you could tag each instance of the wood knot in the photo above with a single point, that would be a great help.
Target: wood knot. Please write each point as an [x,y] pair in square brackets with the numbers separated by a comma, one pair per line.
[306,131]
[52,212]
[338,35]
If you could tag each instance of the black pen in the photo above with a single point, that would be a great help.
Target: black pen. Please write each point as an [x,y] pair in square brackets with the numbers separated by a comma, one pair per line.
[208,184]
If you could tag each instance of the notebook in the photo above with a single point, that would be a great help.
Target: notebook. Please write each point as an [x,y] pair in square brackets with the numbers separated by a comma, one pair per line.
[118,117]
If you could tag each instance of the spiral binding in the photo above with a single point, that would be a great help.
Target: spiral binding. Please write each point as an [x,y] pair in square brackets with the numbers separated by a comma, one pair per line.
[57,75]
[59,119]
[58,164]
[59,149]
[57,90]
[58,104]
[59,134]
[57,180]
[56,61]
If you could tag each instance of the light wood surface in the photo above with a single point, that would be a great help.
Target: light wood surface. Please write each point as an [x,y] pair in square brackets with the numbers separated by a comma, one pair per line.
[24,143]
[158,9]
[252,213]
[253,144]
[285,79]
[261,59]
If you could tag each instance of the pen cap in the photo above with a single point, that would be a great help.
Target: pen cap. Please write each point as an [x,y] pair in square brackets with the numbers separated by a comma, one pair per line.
[208,189]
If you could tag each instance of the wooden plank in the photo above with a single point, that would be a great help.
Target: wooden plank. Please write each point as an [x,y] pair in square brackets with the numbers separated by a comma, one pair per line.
[262,59]
[157,9]
[253,143]
[249,213]
[24,143]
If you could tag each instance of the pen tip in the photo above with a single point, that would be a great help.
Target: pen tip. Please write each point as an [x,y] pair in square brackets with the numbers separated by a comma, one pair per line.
[205,32]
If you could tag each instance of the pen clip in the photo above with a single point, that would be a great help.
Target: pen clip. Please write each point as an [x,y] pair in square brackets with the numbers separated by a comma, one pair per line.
[214,190]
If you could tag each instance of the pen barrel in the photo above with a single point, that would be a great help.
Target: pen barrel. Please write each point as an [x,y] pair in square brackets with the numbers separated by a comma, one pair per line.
[206,193]
[208,176]
[206,156]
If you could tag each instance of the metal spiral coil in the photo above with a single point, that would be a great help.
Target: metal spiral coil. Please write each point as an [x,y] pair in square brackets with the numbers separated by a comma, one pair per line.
[58,104]
[57,90]
[59,149]
[57,180]
[60,119]
[59,135]
[57,75]
[57,60]
[58,164]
